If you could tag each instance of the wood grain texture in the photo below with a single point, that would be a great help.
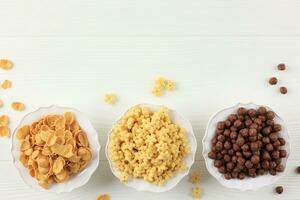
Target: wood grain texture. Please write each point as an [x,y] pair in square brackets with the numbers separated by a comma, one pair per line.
[219,52]
[142,17]
[12,187]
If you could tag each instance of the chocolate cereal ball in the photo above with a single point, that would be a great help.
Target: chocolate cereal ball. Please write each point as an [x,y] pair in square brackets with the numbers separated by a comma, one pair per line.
[247,144]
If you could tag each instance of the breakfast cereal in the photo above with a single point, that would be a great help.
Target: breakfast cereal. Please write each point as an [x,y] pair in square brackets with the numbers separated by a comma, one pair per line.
[5,64]
[18,106]
[6,84]
[194,178]
[53,148]
[196,192]
[162,84]
[110,98]
[148,145]
[103,197]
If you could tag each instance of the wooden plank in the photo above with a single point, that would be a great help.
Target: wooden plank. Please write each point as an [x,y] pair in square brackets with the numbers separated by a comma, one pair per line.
[102,181]
[76,72]
[143,17]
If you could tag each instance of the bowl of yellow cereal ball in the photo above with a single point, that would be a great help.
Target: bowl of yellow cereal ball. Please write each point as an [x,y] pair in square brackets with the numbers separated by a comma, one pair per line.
[151,148]
[55,149]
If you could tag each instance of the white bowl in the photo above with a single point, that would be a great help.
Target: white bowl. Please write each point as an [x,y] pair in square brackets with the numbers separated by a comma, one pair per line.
[76,180]
[248,183]
[140,184]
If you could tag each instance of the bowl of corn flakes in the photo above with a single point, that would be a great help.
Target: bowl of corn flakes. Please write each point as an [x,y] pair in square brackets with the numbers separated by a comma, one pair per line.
[151,148]
[55,149]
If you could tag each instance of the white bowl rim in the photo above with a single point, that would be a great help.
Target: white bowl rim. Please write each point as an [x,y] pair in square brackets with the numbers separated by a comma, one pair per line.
[92,170]
[205,151]
[192,151]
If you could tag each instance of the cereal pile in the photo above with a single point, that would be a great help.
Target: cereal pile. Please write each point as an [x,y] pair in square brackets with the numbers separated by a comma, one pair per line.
[248,144]
[4,129]
[53,148]
[161,85]
[148,145]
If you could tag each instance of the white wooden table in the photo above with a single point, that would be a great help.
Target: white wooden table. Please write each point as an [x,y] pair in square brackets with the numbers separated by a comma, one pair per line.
[220,52]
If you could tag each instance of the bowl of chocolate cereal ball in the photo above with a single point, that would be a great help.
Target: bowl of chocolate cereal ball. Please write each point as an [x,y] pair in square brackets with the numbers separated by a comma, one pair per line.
[151,148]
[246,146]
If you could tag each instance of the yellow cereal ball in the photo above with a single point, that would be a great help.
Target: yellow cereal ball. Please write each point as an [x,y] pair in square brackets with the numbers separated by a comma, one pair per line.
[194,178]
[170,85]
[110,98]
[164,143]
[157,91]
[196,192]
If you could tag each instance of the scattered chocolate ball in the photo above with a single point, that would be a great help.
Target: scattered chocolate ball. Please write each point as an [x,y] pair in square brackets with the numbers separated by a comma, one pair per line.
[273,81]
[281,67]
[283,90]
[298,169]
[279,189]
[247,144]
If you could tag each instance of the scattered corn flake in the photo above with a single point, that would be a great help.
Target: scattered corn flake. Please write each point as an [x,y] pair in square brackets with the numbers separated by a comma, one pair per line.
[4,131]
[1,103]
[6,84]
[18,106]
[110,98]
[103,197]
[196,192]
[194,178]
[5,64]
[4,120]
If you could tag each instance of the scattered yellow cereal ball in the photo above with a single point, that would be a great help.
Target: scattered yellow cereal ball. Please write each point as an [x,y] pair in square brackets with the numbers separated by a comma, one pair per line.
[157,92]
[194,178]
[196,192]
[170,85]
[103,197]
[141,136]
[5,64]
[18,106]
[6,84]
[110,98]
[162,84]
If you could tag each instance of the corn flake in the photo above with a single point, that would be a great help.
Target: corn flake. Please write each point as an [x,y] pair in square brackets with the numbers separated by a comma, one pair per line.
[110,98]
[4,120]
[4,131]
[18,106]
[5,64]
[52,148]
[6,84]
